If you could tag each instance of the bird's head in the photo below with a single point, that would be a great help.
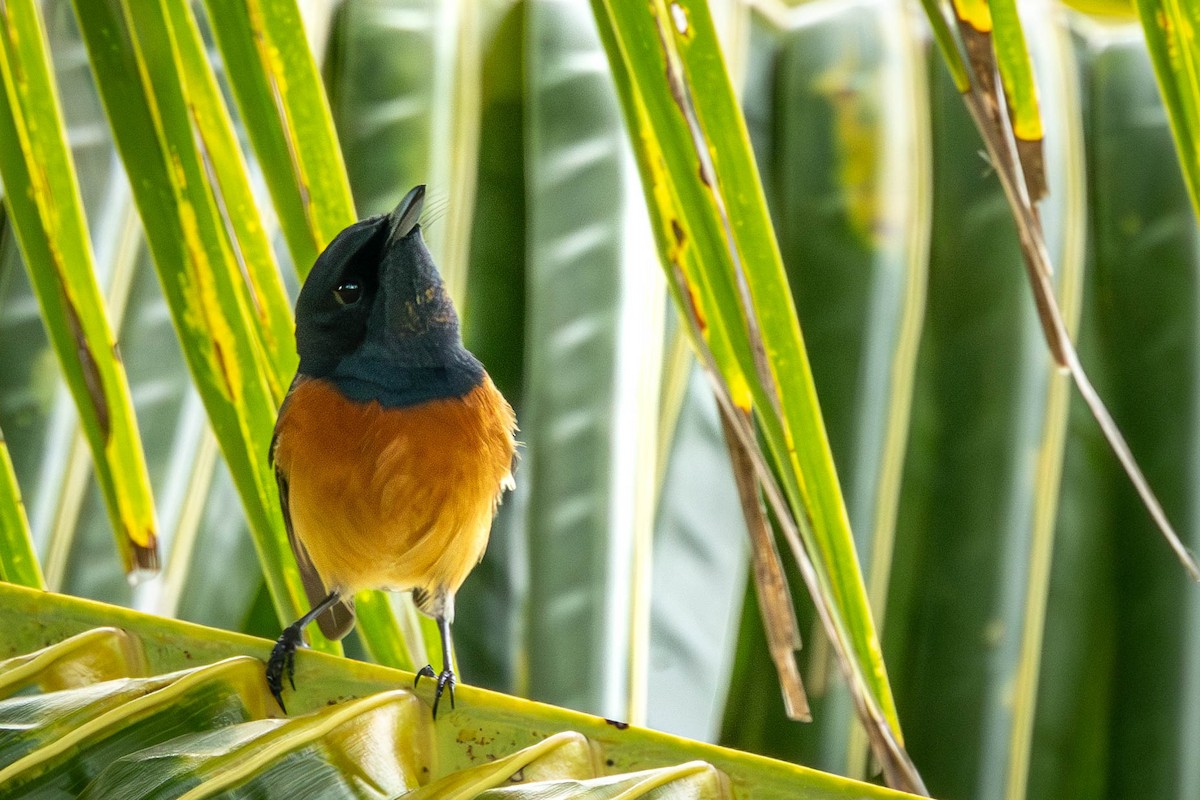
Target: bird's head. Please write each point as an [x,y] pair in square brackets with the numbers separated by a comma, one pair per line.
[374,318]
[374,299]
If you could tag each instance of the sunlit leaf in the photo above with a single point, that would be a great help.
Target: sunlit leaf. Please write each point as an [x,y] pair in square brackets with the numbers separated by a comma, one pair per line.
[210,725]
[49,223]
[701,178]
[283,107]
[145,96]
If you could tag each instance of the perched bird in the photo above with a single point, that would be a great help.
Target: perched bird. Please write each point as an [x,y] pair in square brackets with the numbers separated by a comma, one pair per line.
[392,447]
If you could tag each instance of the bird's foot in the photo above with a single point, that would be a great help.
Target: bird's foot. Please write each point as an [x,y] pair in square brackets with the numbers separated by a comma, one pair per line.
[445,680]
[283,660]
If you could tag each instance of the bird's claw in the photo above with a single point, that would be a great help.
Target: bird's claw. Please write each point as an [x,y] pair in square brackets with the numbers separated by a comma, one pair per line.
[445,680]
[283,661]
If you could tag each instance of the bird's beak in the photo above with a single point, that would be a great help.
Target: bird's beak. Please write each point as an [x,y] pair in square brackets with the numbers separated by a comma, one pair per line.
[404,218]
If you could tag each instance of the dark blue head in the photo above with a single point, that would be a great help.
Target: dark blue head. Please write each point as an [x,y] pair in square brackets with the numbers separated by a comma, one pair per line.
[374,317]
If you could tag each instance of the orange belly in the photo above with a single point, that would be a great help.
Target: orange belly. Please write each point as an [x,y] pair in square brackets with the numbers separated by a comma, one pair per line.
[394,498]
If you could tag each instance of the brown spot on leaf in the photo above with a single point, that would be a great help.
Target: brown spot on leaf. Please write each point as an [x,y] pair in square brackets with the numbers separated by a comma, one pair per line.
[145,552]
[677,230]
[1033,165]
[91,372]
[701,322]
[222,367]
[983,63]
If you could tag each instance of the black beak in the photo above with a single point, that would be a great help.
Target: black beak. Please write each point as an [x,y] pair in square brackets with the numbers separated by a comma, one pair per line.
[404,218]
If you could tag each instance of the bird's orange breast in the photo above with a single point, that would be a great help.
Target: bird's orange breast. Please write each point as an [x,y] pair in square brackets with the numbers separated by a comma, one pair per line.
[394,498]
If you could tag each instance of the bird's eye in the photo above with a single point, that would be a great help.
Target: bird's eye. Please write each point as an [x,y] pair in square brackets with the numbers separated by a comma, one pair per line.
[348,293]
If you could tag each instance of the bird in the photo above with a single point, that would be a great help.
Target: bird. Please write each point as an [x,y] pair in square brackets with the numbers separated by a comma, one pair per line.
[392,447]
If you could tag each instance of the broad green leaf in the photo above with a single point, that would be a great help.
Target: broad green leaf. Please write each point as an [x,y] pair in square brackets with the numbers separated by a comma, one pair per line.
[846,157]
[283,107]
[145,96]
[719,210]
[50,227]
[490,604]
[564,755]
[99,654]
[594,321]
[361,748]
[695,781]
[981,482]
[1131,615]
[543,744]
[58,742]
[1171,28]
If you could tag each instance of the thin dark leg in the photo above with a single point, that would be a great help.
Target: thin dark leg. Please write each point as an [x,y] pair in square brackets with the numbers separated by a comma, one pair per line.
[446,678]
[283,656]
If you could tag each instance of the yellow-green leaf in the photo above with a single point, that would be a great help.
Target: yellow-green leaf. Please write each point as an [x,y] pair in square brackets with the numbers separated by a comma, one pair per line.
[251,248]
[1171,28]
[700,174]
[18,558]
[47,213]
[1020,90]
[947,45]
[206,725]
[283,106]
[138,67]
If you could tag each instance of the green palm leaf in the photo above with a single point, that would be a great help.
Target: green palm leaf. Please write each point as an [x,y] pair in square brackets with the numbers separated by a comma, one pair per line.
[51,229]
[709,206]
[18,559]
[145,95]
[168,708]
[274,79]
[1170,27]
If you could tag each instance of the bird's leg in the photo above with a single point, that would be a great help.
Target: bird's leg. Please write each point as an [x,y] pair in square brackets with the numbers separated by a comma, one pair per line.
[283,655]
[446,679]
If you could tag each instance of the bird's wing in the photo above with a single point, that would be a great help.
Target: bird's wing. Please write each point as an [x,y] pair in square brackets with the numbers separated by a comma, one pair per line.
[339,619]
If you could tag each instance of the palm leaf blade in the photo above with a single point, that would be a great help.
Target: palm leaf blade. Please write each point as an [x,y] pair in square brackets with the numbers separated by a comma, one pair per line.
[543,745]
[139,74]
[50,227]
[274,79]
